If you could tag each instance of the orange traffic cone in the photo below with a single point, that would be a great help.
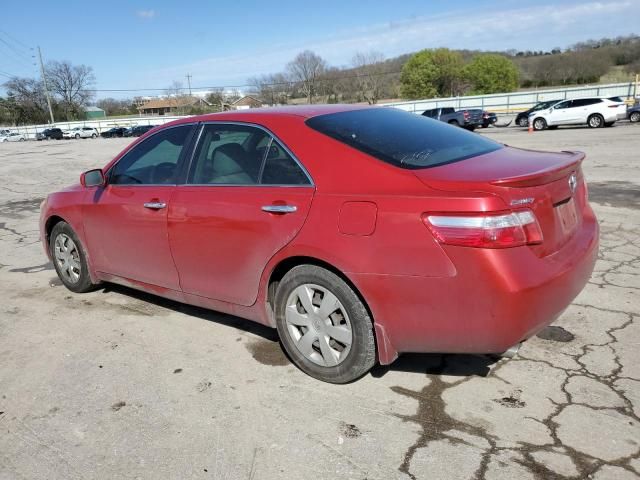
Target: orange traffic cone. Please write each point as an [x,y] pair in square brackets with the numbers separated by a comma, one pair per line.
[530,126]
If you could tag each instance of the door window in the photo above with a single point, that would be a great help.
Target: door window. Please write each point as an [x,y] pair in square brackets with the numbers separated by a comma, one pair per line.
[565,104]
[154,161]
[242,155]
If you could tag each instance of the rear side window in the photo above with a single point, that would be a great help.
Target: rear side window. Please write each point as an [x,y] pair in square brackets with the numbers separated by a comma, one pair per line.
[448,110]
[232,154]
[402,139]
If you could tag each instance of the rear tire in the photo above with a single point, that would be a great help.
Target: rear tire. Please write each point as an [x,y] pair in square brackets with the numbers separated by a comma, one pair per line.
[595,121]
[69,259]
[454,123]
[334,342]
[634,117]
[77,136]
[93,135]
[539,124]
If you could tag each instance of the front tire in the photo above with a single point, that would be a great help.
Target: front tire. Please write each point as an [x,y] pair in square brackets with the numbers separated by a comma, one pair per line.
[323,325]
[523,122]
[454,123]
[634,117]
[595,121]
[539,124]
[69,259]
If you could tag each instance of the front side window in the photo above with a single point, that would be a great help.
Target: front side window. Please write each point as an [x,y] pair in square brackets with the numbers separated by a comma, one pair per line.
[402,139]
[154,161]
[229,154]
[565,104]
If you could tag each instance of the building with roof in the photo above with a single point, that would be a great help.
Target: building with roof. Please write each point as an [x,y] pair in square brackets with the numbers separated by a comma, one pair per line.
[91,113]
[169,105]
[245,102]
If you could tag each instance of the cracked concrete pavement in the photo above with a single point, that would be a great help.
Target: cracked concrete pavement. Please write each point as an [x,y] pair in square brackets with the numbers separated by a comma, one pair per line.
[120,384]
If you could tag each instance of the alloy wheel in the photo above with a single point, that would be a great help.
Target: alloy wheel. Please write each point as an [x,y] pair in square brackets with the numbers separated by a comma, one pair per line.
[595,121]
[67,258]
[635,117]
[319,325]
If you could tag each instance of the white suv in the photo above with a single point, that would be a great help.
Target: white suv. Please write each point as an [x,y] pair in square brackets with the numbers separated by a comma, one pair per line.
[594,112]
[80,132]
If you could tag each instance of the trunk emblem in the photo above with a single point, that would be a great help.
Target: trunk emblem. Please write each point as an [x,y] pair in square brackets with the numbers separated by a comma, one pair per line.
[573,182]
[521,201]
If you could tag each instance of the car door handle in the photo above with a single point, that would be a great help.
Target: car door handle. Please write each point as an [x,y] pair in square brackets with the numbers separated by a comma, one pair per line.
[279,208]
[155,205]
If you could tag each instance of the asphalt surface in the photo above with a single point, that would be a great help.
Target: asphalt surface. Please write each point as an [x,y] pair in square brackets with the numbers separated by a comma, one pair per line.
[120,384]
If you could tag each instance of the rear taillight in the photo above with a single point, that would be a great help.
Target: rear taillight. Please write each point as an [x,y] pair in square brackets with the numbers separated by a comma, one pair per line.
[485,230]
[465,114]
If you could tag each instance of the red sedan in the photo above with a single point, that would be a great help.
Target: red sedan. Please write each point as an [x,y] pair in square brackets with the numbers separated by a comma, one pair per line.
[359,233]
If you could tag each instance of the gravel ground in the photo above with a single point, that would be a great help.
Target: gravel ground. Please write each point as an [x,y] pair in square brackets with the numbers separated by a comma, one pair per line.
[120,384]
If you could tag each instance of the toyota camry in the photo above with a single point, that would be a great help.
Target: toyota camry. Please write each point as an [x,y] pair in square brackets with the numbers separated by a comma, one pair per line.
[359,233]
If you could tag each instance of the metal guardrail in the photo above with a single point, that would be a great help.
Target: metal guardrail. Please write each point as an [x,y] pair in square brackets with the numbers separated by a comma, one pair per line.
[518,101]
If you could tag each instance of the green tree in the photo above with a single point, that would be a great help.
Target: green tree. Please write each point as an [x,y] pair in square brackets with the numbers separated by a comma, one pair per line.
[431,73]
[419,76]
[450,65]
[491,73]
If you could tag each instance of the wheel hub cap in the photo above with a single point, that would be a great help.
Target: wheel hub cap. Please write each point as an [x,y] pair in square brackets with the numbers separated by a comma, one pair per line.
[67,258]
[319,325]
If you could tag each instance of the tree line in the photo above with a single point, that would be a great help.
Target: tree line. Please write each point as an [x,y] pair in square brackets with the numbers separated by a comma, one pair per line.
[70,90]
[369,77]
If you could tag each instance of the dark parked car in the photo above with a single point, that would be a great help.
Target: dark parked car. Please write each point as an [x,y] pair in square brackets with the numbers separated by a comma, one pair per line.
[138,130]
[522,119]
[469,119]
[49,133]
[488,118]
[114,132]
[633,113]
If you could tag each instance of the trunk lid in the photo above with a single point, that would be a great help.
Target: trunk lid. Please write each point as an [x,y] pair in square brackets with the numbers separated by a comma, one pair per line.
[550,184]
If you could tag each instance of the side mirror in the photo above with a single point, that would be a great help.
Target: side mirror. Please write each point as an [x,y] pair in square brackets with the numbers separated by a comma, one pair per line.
[92,178]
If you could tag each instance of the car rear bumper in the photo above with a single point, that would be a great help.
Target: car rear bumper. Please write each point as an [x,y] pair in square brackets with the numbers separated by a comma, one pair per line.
[497,298]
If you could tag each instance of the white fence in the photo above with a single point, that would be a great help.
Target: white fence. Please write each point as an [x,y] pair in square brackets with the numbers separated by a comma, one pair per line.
[518,101]
[99,124]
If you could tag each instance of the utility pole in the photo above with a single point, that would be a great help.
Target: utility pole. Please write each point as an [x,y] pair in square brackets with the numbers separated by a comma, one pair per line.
[46,87]
[189,82]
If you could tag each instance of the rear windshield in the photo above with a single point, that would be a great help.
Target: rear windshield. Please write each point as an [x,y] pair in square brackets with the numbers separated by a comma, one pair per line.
[402,139]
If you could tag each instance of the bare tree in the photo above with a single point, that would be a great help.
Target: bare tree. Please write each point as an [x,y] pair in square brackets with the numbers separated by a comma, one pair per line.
[26,101]
[272,89]
[369,75]
[71,83]
[305,69]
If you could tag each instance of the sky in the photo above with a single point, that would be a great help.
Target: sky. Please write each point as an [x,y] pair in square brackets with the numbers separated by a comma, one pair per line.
[150,44]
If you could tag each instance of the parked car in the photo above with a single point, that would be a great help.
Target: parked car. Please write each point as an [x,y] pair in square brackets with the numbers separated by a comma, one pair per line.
[594,112]
[522,119]
[49,133]
[488,118]
[81,132]
[138,131]
[113,132]
[453,243]
[13,137]
[633,113]
[469,119]
[4,132]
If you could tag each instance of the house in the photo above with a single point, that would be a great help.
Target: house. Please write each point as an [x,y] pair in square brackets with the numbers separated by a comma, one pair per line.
[245,102]
[91,113]
[168,105]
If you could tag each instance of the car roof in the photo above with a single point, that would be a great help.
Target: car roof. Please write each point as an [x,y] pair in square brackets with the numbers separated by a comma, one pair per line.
[251,114]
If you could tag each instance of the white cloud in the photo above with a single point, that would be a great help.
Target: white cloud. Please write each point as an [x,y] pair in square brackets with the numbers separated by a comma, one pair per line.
[541,27]
[146,14]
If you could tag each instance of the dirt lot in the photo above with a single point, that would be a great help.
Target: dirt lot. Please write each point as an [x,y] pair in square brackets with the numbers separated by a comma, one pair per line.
[118,384]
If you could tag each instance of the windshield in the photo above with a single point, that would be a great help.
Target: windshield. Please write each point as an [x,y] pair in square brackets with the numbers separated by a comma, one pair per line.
[543,105]
[402,139]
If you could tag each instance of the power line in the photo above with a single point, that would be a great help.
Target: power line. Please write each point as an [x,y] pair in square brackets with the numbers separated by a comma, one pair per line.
[218,87]
[16,41]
